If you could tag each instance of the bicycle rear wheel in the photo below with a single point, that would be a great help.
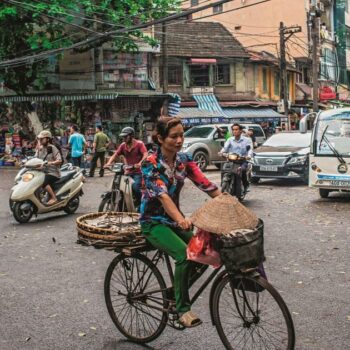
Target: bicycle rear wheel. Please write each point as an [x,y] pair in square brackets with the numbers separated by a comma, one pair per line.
[136,298]
[249,313]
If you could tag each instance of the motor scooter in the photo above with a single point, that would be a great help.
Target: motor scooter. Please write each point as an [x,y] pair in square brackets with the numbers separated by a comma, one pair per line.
[120,198]
[28,197]
[232,175]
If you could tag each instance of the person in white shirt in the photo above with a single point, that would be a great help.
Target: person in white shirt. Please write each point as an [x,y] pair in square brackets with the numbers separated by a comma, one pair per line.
[242,146]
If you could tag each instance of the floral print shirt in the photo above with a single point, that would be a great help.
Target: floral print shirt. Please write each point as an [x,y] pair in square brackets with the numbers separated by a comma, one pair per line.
[158,178]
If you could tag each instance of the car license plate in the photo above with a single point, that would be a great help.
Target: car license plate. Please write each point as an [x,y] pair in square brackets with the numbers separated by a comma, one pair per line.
[340,183]
[268,168]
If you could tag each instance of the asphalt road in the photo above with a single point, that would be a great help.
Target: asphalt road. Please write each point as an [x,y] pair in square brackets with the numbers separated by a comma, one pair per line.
[51,293]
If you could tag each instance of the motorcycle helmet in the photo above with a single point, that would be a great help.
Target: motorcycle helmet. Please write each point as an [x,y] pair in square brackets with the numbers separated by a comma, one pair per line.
[127,131]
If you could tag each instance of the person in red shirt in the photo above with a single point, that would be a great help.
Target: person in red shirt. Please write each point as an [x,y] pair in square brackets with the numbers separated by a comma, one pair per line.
[134,153]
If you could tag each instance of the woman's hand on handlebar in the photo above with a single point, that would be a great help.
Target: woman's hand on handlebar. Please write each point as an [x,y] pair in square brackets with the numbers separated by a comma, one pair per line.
[107,166]
[185,224]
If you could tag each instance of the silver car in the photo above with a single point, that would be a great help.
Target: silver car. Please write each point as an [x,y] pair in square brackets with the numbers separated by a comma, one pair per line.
[204,142]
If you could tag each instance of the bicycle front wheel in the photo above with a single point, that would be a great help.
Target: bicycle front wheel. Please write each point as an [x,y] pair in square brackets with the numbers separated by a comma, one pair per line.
[136,298]
[249,313]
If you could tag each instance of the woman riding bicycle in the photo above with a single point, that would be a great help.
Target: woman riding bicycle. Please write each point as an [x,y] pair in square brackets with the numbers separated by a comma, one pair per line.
[162,222]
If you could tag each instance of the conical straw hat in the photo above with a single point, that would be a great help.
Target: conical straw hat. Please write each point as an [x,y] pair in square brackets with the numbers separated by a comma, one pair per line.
[224,214]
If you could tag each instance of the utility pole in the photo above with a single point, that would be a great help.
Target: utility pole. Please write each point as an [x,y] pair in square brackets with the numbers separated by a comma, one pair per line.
[283,71]
[164,58]
[285,34]
[315,32]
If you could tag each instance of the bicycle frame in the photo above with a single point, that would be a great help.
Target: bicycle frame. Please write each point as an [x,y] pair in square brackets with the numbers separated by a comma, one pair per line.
[159,256]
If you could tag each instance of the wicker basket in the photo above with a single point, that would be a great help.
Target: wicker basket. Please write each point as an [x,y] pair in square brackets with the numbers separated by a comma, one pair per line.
[243,250]
[109,229]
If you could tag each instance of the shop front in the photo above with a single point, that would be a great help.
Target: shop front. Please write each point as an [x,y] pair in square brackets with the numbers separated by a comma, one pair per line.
[57,112]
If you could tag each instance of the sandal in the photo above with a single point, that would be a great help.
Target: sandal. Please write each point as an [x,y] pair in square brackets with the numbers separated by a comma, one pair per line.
[189,320]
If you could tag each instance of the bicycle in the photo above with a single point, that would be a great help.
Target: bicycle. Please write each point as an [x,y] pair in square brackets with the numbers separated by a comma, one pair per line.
[246,310]
[120,197]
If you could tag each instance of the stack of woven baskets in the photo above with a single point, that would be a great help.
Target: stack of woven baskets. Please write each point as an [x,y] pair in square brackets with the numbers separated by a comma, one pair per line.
[109,229]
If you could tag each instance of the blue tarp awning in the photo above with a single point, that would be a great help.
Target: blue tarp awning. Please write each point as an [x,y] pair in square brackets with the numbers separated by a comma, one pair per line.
[195,116]
[208,103]
[246,114]
[191,116]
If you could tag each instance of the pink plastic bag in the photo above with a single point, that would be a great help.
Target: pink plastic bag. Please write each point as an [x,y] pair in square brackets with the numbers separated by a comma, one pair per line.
[200,249]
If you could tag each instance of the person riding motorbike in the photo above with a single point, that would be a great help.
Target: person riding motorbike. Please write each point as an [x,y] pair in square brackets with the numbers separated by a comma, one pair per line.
[48,152]
[162,223]
[242,146]
[134,153]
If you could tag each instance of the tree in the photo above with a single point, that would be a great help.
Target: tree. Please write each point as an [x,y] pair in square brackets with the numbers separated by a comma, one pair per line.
[32,26]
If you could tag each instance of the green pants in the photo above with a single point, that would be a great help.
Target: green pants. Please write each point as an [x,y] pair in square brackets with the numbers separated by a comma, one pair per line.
[174,242]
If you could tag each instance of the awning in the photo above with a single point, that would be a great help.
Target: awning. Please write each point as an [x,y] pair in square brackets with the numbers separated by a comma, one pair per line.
[191,116]
[304,88]
[208,103]
[203,61]
[88,96]
[174,106]
[257,115]
[49,98]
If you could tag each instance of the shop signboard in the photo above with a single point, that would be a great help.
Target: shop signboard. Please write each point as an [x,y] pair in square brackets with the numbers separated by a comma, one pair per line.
[125,70]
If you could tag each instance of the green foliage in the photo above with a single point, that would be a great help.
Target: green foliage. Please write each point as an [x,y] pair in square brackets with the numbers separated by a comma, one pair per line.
[32,26]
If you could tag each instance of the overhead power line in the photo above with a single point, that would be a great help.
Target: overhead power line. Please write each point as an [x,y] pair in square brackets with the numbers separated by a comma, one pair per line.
[108,34]
[42,13]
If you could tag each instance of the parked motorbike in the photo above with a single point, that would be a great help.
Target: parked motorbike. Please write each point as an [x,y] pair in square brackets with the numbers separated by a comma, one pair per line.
[28,196]
[120,198]
[232,175]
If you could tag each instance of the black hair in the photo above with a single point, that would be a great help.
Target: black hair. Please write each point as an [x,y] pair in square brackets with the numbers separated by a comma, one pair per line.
[236,124]
[74,127]
[163,127]
[99,127]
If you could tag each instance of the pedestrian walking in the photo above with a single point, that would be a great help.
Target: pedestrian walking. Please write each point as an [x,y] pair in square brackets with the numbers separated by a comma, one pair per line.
[99,147]
[77,145]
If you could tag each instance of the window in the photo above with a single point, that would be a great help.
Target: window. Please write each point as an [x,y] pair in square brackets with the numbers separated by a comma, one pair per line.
[276,85]
[175,75]
[218,8]
[264,78]
[258,132]
[348,38]
[222,75]
[306,75]
[194,2]
[199,131]
[199,75]
[328,65]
